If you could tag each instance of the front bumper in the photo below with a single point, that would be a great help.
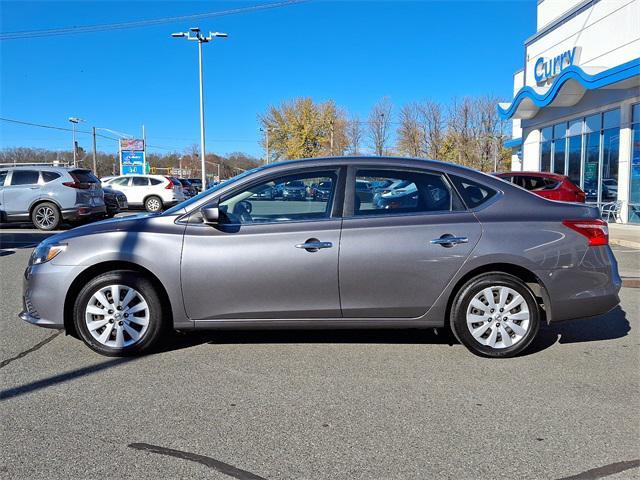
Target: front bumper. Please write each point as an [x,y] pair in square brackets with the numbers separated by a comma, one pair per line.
[44,289]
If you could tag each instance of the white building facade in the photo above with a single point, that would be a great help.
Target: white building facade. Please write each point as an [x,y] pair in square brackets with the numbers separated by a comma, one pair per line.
[576,104]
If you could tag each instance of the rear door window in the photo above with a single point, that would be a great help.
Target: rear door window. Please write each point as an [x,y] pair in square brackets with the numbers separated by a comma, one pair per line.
[473,193]
[3,176]
[139,182]
[400,192]
[25,177]
[155,181]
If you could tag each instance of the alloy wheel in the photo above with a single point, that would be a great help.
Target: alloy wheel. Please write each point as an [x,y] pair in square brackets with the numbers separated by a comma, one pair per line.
[153,205]
[117,316]
[45,217]
[498,317]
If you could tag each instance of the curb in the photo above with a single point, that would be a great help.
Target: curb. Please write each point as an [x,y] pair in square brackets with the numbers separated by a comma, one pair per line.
[624,243]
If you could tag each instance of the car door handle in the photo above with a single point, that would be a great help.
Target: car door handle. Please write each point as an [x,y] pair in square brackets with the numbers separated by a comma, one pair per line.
[448,240]
[313,245]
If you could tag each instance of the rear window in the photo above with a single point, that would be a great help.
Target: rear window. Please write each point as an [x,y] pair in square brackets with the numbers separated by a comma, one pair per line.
[49,176]
[155,181]
[25,177]
[84,176]
[473,194]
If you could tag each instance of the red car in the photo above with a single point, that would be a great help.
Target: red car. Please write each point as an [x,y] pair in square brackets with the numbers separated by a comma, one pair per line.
[547,185]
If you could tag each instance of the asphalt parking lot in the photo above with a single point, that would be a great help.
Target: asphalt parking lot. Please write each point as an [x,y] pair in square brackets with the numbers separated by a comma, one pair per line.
[319,405]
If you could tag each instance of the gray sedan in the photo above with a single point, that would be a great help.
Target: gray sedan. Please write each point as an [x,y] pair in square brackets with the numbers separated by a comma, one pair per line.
[466,251]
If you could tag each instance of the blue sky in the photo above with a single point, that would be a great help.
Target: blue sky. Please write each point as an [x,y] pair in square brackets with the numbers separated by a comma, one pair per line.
[353,52]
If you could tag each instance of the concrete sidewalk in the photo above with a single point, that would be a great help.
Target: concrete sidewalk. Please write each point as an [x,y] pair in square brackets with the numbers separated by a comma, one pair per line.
[624,235]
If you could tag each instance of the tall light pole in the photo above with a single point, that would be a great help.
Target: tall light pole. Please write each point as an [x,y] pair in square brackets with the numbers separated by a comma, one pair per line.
[194,34]
[266,131]
[74,121]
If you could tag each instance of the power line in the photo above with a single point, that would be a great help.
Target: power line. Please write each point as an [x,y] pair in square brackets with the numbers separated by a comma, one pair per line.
[53,127]
[140,23]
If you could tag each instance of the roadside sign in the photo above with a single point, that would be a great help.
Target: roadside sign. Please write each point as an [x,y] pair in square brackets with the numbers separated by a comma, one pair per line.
[132,157]
[132,162]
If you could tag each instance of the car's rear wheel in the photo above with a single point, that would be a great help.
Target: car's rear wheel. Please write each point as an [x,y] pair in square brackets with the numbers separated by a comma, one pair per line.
[119,313]
[495,315]
[45,216]
[153,204]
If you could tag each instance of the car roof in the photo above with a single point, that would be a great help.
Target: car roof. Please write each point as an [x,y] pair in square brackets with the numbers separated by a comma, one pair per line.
[555,176]
[52,168]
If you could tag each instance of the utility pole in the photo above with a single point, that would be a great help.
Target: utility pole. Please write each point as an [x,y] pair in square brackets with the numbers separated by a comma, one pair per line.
[95,164]
[194,34]
[266,137]
[74,121]
[331,138]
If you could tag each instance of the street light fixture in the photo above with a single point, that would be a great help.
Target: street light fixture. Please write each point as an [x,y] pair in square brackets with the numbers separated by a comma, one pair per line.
[195,35]
[74,121]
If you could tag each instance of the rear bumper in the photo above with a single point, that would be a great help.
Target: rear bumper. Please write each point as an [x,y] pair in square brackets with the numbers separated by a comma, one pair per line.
[587,290]
[80,212]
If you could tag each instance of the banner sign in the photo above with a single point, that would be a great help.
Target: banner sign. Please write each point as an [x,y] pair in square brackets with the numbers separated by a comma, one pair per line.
[131,144]
[132,157]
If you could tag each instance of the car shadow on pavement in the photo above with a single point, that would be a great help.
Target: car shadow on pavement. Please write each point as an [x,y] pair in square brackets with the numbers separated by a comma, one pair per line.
[604,327]
[611,326]
[23,239]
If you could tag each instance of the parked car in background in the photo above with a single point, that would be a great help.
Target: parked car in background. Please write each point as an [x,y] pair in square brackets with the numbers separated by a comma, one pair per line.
[196,183]
[547,185]
[152,192]
[187,188]
[610,186]
[48,195]
[114,200]
[322,191]
[458,257]
[294,190]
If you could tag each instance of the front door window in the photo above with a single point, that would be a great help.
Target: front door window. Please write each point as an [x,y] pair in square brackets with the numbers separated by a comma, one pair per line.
[291,198]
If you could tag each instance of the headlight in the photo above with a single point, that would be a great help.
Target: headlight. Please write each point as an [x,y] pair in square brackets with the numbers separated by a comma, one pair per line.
[46,252]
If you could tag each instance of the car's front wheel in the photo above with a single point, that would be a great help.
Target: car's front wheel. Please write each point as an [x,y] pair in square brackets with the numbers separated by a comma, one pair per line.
[119,313]
[495,315]
[153,204]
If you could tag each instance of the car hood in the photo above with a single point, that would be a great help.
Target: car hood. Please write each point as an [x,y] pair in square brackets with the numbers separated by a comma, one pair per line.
[133,222]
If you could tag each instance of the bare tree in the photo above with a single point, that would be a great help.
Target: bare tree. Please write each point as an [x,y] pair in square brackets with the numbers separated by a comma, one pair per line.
[379,125]
[410,138]
[433,128]
[354,135]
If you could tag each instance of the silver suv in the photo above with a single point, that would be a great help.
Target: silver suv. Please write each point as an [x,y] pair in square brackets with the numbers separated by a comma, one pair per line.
[46,195]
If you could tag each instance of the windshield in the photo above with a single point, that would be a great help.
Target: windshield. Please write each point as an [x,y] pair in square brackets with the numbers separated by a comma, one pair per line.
[205,193]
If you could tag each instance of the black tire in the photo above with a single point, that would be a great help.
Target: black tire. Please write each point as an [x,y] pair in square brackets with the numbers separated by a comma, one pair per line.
[157,322]
[461,306]
[153,204]
[46,216]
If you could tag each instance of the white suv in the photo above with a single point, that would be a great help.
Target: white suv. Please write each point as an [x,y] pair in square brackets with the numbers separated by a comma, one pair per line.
[153,192]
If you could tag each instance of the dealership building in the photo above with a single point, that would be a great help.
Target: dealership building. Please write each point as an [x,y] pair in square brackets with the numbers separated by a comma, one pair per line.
[576,103]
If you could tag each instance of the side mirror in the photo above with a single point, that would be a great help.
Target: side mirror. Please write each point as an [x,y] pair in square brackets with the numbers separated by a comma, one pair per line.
[211,213]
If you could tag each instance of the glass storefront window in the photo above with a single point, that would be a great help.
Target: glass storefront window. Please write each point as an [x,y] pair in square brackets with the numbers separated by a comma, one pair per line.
[574,158]
[592,155]
[634,183]
[610,156]
[545,149]
[595,170]
[559,150]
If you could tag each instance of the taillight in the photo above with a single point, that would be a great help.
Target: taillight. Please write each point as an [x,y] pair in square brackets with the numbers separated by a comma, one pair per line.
[170,184]
[83,186]
[595,230]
